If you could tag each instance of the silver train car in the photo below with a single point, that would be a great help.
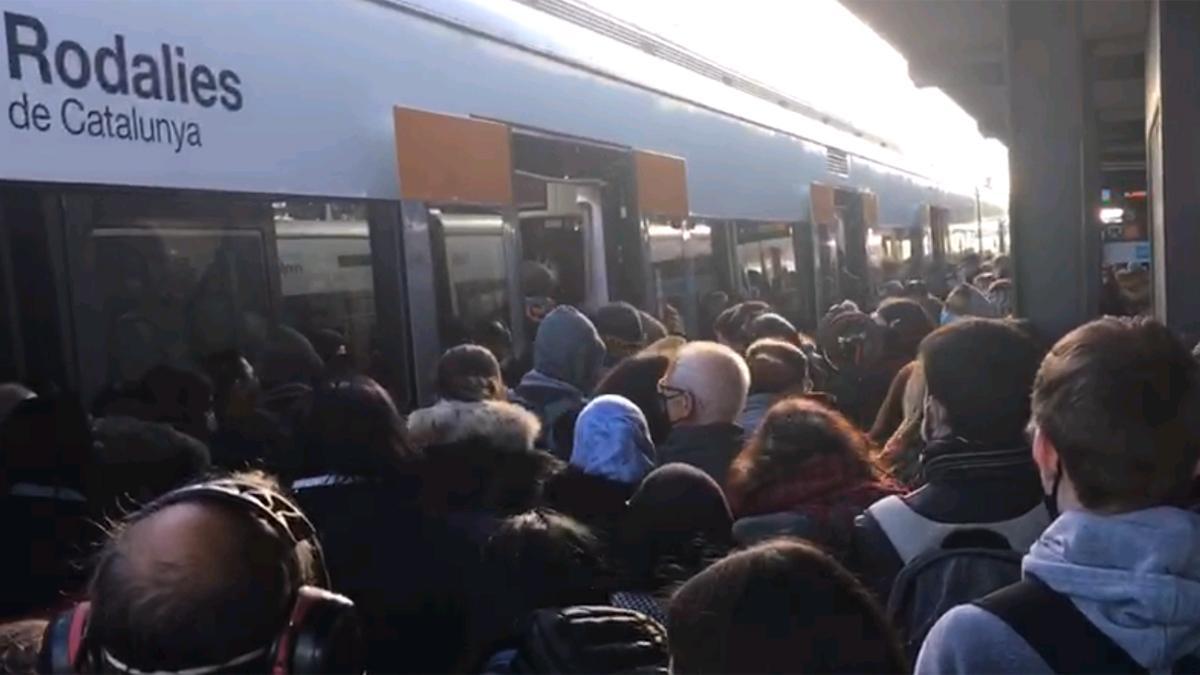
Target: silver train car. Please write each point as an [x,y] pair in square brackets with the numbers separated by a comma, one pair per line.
[182,178]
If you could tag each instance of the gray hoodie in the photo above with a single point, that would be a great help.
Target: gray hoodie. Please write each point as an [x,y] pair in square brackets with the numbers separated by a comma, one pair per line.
[567,348]
[1135,576]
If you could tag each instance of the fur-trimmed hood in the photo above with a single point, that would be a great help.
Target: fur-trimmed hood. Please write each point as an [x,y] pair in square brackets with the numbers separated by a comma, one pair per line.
[505,424]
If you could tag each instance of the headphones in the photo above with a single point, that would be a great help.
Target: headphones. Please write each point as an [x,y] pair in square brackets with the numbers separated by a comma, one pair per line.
[322,633]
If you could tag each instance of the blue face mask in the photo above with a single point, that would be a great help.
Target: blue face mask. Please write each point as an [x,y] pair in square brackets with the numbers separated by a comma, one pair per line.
[948,317]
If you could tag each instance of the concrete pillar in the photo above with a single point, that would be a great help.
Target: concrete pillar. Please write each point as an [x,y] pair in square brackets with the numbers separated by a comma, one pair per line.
[1046,159]
[1173,161]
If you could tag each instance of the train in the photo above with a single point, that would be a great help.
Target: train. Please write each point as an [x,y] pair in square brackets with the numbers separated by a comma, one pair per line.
[181,178]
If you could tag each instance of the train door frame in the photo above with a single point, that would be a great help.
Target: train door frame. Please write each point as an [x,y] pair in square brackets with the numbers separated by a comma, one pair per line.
[621,243]
[660,198]
[457,163]
[936,224]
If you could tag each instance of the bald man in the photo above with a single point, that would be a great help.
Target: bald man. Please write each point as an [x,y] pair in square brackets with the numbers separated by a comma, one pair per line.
[703,393]
[193,585]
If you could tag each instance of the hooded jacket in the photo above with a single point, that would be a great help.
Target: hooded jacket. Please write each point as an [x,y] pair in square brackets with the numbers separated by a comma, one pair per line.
[1135,576]
[612,440]
[567,355]
[505,424]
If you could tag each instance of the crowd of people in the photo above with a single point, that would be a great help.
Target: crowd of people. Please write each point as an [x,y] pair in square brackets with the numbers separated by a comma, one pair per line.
[925,487]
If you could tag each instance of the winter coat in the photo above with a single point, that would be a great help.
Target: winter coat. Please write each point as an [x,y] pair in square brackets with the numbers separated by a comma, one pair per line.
[567,356]
[504,424]
[411,575]
[709,447]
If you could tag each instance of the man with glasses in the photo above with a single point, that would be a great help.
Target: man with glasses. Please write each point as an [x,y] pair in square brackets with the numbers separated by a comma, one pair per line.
[703,393]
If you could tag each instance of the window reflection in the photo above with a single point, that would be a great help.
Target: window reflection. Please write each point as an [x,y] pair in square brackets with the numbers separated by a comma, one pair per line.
[766,260]
[163,283]
[325,279]
[684,272]
[476,270]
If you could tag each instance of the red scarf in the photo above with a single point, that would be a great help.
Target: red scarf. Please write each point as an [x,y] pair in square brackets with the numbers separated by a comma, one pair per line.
[824,489]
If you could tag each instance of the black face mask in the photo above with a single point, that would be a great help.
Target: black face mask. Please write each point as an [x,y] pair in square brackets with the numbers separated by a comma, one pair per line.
[1051,499]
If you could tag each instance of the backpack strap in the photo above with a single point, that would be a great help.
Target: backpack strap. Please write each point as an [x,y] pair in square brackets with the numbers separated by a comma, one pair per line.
[1055,628]
[909,532]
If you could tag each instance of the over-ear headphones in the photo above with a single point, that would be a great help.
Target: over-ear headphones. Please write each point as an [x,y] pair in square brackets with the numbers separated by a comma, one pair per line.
[322,633]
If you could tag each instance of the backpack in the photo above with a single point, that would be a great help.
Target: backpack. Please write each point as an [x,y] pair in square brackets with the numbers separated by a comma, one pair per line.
[948,564]
[939,580]
[1051,624]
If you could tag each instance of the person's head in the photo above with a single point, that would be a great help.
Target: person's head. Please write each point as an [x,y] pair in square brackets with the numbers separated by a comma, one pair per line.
[901,454]
[795,434]
[636,378]
[907,324]
[469,373]
[1003,267]
[984,280]
[612,440]
[138,460]
[978,374]
[568,348]
[777,367]
[674,525]
[235,386]
[353,429]
[206,575]
[620,327]
[538,280]
[288,358]
[731,325]
[331,345]
[1001,294]
[891,289]
[706,384]
[654,329]
[1116,408]
[966,301]
[497,339]
[771,325]
[179,397]
[546,559]
[779,607]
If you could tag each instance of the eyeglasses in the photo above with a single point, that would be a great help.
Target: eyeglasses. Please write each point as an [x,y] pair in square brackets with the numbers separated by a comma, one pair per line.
[669,393]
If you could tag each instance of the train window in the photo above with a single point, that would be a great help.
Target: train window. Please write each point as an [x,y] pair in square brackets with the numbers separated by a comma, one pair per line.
[165,281]
[475,273]
[326,284]
[766,258]
[684,272]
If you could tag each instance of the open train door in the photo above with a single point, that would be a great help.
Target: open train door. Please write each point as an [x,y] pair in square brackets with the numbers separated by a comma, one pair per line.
[670,245]
[818,251]
[577,227]
[460,251]
[937,229]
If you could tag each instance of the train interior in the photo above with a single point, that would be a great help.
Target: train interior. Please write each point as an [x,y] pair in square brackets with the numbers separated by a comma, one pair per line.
[571,198]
